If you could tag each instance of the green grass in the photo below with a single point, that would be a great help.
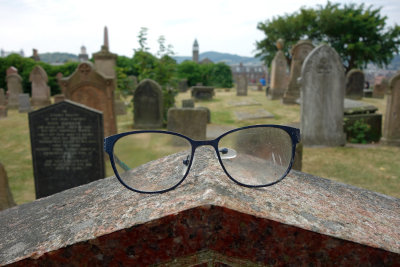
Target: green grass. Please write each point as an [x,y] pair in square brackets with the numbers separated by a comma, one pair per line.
[373,167]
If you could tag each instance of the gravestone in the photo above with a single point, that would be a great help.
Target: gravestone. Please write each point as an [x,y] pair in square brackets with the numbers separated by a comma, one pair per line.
[299,53]
[278,73]
[3,104]
[200,92]
[356,112]
[380,87]
[253,114]
[183,85]
[391,128]
[355,84]
[24,103]
[40,89]
[6,198]
[67,147]
[187,103]
[120,108]
[14,87]
[89,87]
[322,97]
[59,98]
[191,122]
[208,113]
[241,86]
[59,77]
[148,105]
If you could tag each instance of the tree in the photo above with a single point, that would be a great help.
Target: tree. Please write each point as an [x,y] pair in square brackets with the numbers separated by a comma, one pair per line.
[356,32]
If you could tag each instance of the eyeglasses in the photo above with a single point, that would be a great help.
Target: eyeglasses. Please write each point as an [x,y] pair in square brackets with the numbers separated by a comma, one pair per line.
[159,161]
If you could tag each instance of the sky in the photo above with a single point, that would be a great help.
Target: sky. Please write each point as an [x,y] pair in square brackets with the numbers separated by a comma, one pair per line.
[226,26]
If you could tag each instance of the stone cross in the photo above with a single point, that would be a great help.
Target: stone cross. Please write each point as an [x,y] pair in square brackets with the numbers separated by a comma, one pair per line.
[391,127]
[278,73]
[299,53]
[40,89]
[322,98]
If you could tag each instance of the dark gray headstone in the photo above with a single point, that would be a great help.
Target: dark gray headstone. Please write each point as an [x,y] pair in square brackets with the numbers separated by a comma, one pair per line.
[148,105]
[355,84]
[202,92]
[187,103]
[24,103]
[67,146]
[183,85]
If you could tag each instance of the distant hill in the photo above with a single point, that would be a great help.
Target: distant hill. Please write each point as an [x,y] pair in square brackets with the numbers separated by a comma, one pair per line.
[57,57]
[216,57]
[395,64]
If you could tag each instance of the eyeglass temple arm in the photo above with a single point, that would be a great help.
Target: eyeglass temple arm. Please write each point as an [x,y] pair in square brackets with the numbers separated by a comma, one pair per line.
[121,163]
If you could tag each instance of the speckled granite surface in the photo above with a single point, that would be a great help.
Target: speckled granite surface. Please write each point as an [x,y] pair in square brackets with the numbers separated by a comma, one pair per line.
[303,218]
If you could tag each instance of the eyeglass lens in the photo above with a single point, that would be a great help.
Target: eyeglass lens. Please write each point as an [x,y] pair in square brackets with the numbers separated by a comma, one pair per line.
[136,156]
[262,155]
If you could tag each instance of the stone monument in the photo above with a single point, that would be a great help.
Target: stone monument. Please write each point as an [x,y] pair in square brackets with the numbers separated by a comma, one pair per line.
[148,105]
[299,53]
[24,103]
[6,198]
[14,87]
[3,104]
[200,92]
[191,122]
[241,85]
[104,61]
[380,87]
[322,98]
[91,88]
[40,89]
[391,127]
[355,84]
[278,73]
[67,147]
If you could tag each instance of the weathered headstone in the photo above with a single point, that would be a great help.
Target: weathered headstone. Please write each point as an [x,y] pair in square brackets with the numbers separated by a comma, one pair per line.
[278,73]
[24,103]
[241,85]
[322,97]
[40,89]
[59,98]
[253,114]
[6,198]
[148,105]
[187,103]
[191,122]
[14,87]
[299,53]
[391,128]
[199,92]
[355,84]
[183,85]
[3,104]
[208,113]
[380,87]
[67,147]
[89,87]
[120,108]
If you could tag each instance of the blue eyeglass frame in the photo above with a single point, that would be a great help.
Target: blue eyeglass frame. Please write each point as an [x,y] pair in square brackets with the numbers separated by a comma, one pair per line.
[109,142]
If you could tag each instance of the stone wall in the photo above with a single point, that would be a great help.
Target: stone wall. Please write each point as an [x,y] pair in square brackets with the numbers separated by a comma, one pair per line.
[208,218]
